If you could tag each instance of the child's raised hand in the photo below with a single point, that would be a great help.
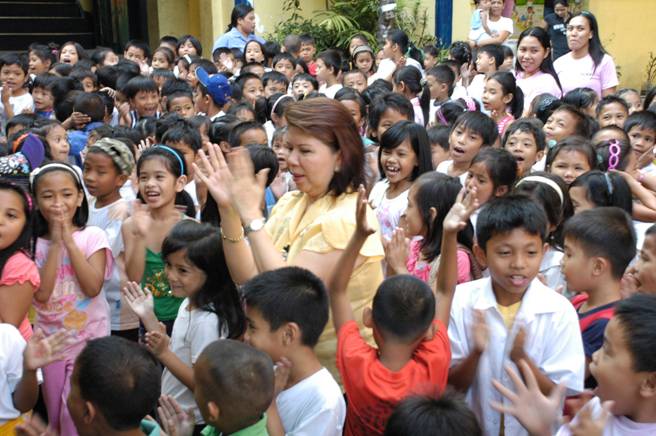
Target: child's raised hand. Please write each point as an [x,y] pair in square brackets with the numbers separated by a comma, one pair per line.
[140,301]
[41,350]
[457,218]
[143,145]
[141,219]
[361,224]
[396,251]
[536,412]
[480,331]
[281,375]
[212,170]
[157,342]
[176,422]
[517,351]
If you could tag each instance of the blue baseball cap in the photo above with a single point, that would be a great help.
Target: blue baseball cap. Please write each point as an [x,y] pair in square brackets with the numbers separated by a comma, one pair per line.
[217,86]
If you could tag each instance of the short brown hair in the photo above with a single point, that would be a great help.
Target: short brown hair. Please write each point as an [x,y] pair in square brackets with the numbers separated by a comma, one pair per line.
[331,123]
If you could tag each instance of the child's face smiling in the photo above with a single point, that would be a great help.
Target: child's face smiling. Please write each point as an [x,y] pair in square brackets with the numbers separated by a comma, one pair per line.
[642,140]
[36,65]
[57,192]
[157,184]
[185,278]
[644,270]
[260,336]
[68,55]
[12,217]
[398,163]
[145,103]
[612,367]
[464,144]
[513,259]
[634,101]
[484,62]
[187,48]
[494,99]
[612,114]
[523,147]
[58,142]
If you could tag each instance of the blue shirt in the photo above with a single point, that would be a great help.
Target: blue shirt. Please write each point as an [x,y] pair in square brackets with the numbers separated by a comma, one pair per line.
[234,39]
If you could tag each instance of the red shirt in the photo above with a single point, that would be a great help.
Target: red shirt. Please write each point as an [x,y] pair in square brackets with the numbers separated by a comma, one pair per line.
[373,390]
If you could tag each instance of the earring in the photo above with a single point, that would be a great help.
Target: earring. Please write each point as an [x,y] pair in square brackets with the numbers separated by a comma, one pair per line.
[337,168]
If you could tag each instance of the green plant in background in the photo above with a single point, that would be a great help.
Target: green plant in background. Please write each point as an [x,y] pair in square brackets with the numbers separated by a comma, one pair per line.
[651,71]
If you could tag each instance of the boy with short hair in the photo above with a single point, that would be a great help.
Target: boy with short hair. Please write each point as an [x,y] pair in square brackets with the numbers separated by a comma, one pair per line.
[307,51]
[44,101]
[355,79]
[142,95]
[93,106]
[274,82]
[513,312]
[641,128]
[488,61]
[409,329]
[213,94]
[287,310]
[137,51]
[440,80]
[234,388]
[599,245]
[14,97]
[625,367]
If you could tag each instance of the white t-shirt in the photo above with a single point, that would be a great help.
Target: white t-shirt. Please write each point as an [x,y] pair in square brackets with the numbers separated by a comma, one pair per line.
[18,105]
[388,210]
[550,268]
[313,407]
[330,91]
[110,218]
[193,330]
[496,27]
[12,345]
[476,88]
[444,168]
[190,188]
[616,425]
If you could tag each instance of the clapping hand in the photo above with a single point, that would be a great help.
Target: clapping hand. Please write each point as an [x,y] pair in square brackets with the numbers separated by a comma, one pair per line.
[157,341]
[41,350]
[140,301]
[212,170]
[176,422]
[362,226]
[396,251]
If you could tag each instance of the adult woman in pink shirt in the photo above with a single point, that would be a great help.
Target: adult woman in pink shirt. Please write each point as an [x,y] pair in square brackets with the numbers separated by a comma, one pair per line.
[534,70]
[587,64]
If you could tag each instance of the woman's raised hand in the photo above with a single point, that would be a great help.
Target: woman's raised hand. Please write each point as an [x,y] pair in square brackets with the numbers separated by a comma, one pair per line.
[212,170]
[247,188]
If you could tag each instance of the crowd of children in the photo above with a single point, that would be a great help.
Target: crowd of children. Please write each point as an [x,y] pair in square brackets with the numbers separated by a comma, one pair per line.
[515,203]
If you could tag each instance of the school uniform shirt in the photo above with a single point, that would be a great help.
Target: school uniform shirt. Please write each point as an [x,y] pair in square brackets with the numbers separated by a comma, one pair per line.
[444,167]
[615,425]
[330,91]
[193,330]
[12,345]
[110,218]
[578,73]
[553,342]
[313,407]
[551,270]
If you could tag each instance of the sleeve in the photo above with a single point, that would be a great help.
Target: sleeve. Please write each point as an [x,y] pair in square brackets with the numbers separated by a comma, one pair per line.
[203,333]
[476,20]
[564,358]
[507,25]
[96,240]
[608,74]
[350,348]
[323,423]
[593,336]
[13,344]
[221,42]
[464,267]
[20,269]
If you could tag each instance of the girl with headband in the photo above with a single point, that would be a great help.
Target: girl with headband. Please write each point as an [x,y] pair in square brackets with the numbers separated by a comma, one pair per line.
[162,176]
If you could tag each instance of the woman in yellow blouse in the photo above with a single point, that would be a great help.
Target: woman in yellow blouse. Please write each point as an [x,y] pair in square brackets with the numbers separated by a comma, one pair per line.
[310,227]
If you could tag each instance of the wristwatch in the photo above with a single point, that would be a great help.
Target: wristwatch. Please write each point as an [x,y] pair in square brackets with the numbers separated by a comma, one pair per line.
[254,226]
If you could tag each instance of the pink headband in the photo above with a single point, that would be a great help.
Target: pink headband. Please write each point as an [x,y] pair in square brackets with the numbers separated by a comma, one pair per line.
[471,106]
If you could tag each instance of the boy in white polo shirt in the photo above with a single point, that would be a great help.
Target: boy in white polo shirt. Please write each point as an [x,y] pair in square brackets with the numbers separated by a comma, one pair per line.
[511,315]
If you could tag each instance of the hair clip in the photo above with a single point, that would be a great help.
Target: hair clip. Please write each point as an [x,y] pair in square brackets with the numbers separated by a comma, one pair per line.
[552,143]
[614,151]
[471,106]
[422,82]
[440,117]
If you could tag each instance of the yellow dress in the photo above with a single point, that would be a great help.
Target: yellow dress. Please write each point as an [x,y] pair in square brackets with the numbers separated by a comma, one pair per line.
[325,225]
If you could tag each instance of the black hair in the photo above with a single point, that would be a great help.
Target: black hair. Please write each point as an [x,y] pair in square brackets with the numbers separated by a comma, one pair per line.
[44,81]
[168,54]
[447,415]
[585,125]
[264,157]
[121,378]
[494,51]
[243,78]
[47,53]
[610,99]
[14,59]
[595,48]
[218,294]
[81,213]
[581,98]
[271,49]
[545,41]
[139,84]
[99,54]
[90,104]
[26,120]
[501,166]
[561,2]
[239,129]
[194,41]
[141,45]
[605,189]
[24,240]
[61,69]
[557,211]
[275,77]
[265,59]
[183,133]
[460,52]
[619,131]
[306,38]
[168,39]
[307,78]
[403,308]
[443,74]
[81,52]
[606,232]
[392,101]
[242,106]
[284,56]
[399,37]
[543,105]
[573,143]
[290,294]
[107,76]
[645,120]
[527,125]
[206,64]
[637,315]
[440,191]
[280,101]
[509,86]
[239,11]
[221,127]
[163,73]
[174,86]
[502,215]
[439,135]
[350,94]
[604,154]
[449,112]
[432,50]
[418,139]
[332,59]
[378,88]
[649,98]
[480,124]
[412,79]
[239,379]
[79,73]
